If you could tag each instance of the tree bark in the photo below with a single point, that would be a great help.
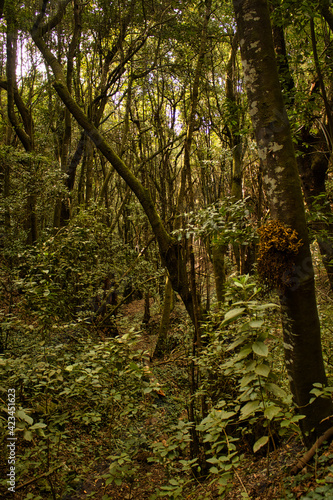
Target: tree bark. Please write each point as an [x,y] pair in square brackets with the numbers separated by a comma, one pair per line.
[313,166]
[301,328]
[315,148]
[162,344]
[218,259]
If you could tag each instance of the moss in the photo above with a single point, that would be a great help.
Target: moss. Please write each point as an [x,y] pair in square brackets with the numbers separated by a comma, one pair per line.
[278,246]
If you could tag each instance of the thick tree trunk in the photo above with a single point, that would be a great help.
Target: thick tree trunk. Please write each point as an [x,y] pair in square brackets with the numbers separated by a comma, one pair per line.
[313,167]
[301,326]
[314,148]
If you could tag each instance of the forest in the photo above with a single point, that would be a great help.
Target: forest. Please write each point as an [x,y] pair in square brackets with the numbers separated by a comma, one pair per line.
[166,249]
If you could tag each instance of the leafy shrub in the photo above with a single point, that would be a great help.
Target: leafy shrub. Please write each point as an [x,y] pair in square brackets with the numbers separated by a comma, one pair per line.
[64,395]
[64,275]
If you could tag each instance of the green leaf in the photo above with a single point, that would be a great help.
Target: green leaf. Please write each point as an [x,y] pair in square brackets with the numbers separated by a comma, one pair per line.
[276,390]
[262,307]
[237,342]
[256,323]
[317,392]
[250,408]
[225,415]
[260,348]
[261,442]
[247,379]
[27,435]
[271,411]
[70,368]
[233,313]
[262,370]
[38,425]
[23,416]
[243,353]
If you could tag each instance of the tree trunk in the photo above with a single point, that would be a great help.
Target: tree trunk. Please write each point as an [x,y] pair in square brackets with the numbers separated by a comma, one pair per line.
[301,328]
[218,258]
[161,344]
[313,167]
[315,149]
[235,142]
[25,133]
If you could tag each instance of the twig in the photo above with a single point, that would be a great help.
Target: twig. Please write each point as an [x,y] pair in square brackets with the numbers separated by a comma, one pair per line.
[45,474]
[241,482]
[310,453]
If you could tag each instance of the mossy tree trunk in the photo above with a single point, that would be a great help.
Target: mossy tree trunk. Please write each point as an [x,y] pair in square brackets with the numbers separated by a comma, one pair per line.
[162,340]
[218,259]
[301,328]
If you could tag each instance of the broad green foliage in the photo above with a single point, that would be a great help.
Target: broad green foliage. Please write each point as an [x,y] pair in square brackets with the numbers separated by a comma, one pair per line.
[66,392]
[249,407]
[28,174]
[131,67]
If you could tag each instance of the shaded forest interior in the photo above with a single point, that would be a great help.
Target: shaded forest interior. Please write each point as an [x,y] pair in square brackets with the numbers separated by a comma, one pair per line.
[166,249]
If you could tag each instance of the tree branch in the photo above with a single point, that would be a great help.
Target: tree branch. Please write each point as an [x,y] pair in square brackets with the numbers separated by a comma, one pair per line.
[310,453]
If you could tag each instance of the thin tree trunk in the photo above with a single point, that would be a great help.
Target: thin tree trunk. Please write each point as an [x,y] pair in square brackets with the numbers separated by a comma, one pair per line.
[218,258]
[162,339]
[25,133]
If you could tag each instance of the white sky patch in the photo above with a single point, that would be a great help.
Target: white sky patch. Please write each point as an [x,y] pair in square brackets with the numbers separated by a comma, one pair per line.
[28,57]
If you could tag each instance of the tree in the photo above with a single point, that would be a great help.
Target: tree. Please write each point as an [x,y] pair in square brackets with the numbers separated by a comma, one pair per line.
[25,133]
[314,136]
[171,250]
[301,328]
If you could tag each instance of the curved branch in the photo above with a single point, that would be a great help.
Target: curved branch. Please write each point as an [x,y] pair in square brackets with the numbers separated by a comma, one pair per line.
[310,453]
[143,195]
[327,14]
[53,22]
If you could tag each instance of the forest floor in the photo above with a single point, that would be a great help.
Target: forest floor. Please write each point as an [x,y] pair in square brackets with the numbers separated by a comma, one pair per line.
[259,478]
